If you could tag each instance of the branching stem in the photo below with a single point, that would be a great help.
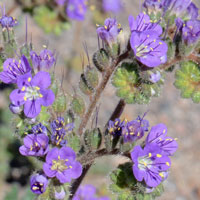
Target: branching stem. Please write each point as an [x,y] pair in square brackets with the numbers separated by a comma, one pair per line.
[99,90]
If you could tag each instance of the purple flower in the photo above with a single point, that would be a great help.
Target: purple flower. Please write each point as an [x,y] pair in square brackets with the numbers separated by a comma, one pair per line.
[38,183]
[192,11]
[59,129]
[115,127]
[87,192]
[109,32]
[135,129]
[148,48]
[35,145]
[155,77]
[33,93]
[61,163]
[60,2]
[39,128]
[60,195]
[176,7]
[149,164]
[8,21]
[12,69]
[114,6]
[76,9]
[45,60]
[153,4]
[59,124]
[15,109]
[158,136]
[57,138]
[144,23]
[191,31]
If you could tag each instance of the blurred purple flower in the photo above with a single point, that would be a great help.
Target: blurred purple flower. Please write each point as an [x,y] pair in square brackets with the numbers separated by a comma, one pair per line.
[114,6]
[8,21]
[33,93]
[148,48]
[12,69]
[109,32]
[192,11]
[135,129]
[38,183]
[176,7]
[61,163]
[150,164]
[88,192]
[158,136]
[45,60]
[144,23]
[153,4]
[35,145]
[60,2]
[76,9]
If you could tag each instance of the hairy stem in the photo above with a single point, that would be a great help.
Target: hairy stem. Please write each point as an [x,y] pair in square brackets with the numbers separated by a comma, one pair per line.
[88,159]
[178,59]
[99,90]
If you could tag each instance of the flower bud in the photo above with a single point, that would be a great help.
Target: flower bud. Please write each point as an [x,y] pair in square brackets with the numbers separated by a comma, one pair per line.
[38,183]
[101,60]
[15,109]
[78,105]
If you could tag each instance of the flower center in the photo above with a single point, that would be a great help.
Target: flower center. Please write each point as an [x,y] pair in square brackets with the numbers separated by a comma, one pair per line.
[59,165]
[32,93]
[144,162]
[38,187]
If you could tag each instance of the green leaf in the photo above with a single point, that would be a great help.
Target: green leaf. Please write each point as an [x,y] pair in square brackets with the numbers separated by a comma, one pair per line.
[49,20]
[132,86]
[60,104]
[73,141]
[78,105]
[93,138]
[188,80]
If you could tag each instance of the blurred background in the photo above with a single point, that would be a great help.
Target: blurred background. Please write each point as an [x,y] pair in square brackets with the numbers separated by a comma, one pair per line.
[181,116]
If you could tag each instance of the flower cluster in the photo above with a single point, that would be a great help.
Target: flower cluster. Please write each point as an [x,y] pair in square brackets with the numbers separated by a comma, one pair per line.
[77,9]
[7,21]
[88,192]
[131,131]
[59,129]
[60,162]
[152,162]
[33,91]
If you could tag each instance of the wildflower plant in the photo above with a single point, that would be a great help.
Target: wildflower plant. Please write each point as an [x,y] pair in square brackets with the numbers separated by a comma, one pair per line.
[53,126]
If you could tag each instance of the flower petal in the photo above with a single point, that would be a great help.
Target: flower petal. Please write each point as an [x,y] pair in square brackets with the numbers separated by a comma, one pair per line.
[42,80]
[17,97]
[48,97]
[52,155]
[63,178]
[67,153]
[47,170]
[32,108]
